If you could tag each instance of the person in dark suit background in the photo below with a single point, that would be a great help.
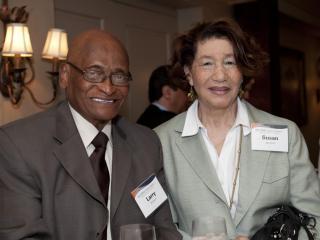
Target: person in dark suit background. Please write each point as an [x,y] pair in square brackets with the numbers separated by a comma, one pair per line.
[48,186]
[167,96]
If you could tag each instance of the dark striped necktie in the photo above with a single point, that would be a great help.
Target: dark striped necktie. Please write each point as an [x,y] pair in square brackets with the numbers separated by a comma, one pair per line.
[99,165]
[100,169]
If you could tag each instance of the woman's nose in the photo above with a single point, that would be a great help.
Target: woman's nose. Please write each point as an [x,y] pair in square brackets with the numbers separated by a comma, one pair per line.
[218,73]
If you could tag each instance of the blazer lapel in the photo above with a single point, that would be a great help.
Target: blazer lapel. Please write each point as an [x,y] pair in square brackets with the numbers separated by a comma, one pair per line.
[196,154]
[252,168]
[121,164]
[72,154]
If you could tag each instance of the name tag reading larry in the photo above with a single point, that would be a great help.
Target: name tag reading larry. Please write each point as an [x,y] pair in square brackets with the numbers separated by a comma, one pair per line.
[269,137]
[149,195]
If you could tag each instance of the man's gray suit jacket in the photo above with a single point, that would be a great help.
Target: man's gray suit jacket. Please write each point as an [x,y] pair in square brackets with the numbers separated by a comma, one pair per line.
[48,189]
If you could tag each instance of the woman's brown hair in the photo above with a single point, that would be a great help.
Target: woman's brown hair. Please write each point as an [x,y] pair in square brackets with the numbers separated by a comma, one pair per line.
[249,56]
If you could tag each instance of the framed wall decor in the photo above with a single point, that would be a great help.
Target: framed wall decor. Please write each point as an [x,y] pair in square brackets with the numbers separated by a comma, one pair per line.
[293,102]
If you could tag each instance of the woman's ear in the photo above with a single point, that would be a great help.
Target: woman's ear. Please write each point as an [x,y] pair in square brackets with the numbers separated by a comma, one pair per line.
[187,72]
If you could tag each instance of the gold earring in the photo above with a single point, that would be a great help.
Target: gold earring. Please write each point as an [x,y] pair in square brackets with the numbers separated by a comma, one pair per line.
[244,91]
[192,95]
[241,92]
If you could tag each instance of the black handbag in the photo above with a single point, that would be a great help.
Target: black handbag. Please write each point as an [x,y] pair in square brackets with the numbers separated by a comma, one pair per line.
[285,224]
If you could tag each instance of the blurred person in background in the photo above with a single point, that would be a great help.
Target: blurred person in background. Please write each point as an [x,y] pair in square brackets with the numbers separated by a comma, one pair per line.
[167,96]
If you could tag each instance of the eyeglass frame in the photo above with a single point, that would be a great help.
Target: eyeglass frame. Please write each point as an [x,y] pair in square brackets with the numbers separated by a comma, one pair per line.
[106,76]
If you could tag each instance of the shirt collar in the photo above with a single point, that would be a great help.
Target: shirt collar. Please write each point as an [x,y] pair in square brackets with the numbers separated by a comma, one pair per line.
[161,107]
[242,118]
[86,129]
[193,123]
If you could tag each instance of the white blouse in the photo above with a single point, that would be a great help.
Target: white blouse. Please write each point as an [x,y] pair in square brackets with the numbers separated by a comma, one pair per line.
[225,163]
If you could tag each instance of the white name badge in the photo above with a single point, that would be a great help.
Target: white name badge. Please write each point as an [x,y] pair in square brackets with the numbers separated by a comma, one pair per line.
[269,137]
[149,195]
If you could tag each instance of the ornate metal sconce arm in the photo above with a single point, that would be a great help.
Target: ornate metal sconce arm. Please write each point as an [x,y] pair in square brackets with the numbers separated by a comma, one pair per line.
[16,52]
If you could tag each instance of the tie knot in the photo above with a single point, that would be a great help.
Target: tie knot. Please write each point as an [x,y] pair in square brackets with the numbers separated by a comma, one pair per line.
[100,140]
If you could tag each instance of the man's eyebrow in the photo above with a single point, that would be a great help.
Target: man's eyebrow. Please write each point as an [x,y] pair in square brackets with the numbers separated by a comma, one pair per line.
[119,70]
[95,66]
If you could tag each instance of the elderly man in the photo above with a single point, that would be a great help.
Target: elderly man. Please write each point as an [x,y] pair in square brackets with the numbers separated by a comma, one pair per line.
[72,172]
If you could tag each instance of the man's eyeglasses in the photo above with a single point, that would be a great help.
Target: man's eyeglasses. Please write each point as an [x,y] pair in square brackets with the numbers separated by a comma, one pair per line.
[98,75]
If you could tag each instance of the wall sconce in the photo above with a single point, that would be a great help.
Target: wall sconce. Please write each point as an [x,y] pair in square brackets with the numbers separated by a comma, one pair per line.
[17,53]
[16,47]
[55,50]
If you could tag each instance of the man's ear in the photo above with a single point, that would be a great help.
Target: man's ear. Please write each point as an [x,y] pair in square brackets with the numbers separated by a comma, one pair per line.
[64,75]
[166,91]
[187,72]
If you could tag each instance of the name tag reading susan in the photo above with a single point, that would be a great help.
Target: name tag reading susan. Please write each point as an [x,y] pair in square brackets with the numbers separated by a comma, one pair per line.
[149,195]
[269,137]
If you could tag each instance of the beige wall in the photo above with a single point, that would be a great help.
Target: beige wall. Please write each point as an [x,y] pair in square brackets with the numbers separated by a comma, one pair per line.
[133,24]
[41,18]
[145,29]
[188,17]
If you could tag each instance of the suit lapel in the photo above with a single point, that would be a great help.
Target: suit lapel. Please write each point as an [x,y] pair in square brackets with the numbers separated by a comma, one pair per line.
[121,164]
[72,154]
[193,148]
[252,168]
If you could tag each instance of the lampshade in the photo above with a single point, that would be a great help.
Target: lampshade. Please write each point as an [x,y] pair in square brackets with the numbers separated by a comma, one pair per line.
[17,41]
[56,45]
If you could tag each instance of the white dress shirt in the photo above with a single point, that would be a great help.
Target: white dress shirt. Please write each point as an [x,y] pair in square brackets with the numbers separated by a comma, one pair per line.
[225,163]
[87,133]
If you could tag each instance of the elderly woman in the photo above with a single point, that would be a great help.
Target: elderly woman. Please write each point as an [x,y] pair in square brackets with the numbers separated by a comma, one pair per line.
[224,157]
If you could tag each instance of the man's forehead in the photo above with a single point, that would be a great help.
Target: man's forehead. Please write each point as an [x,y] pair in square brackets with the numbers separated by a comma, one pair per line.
[95,42]
[105,57]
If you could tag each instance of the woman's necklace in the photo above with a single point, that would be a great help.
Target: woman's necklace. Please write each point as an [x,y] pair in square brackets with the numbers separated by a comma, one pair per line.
[234,183]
